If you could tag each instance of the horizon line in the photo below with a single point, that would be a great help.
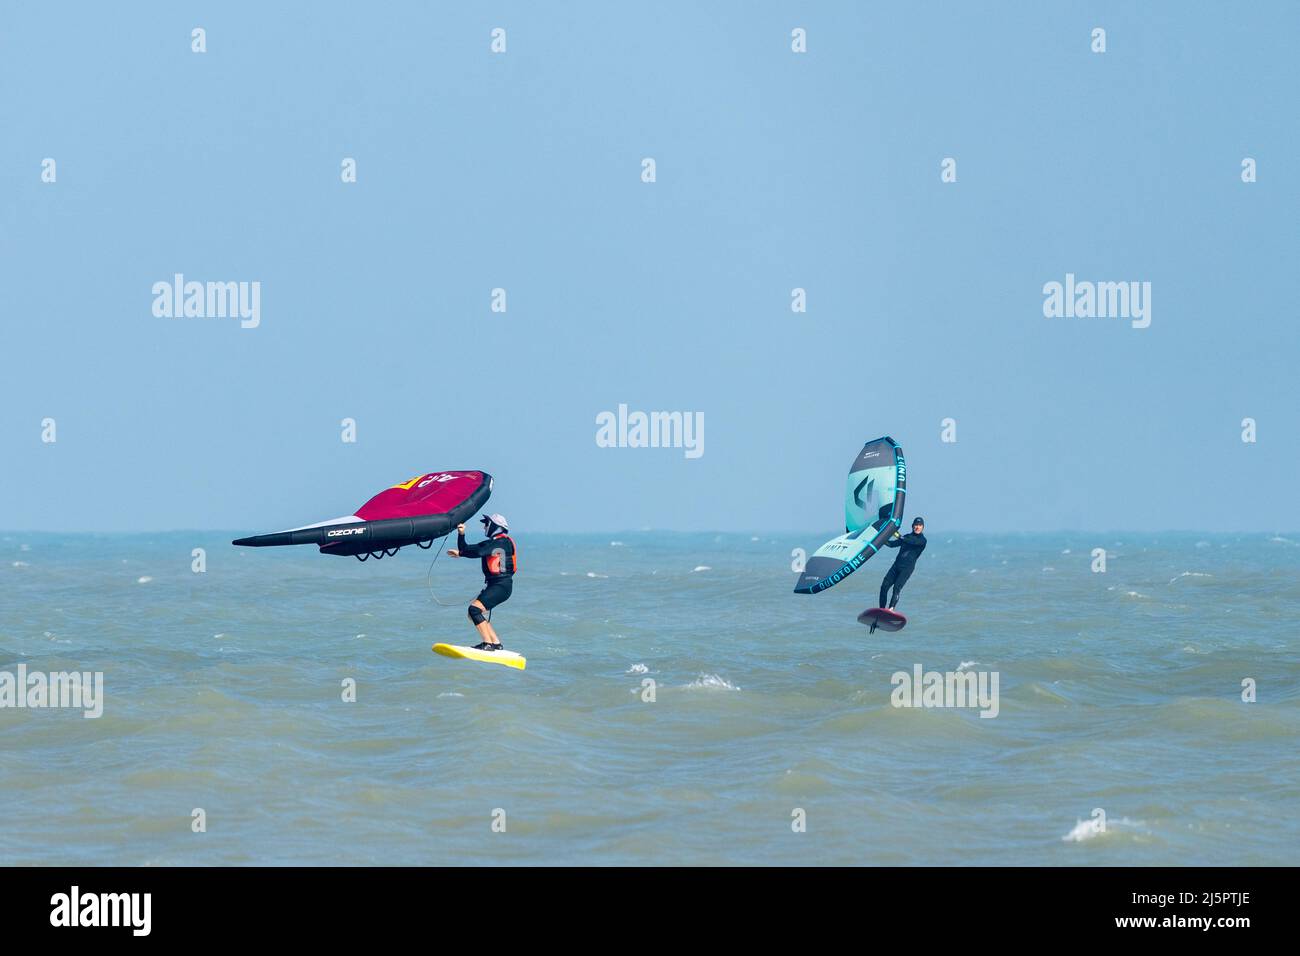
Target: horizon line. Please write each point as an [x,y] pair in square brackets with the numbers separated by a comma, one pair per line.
[734,531]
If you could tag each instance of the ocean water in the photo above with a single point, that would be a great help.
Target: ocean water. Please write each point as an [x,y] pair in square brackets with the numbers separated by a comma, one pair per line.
[1118,691]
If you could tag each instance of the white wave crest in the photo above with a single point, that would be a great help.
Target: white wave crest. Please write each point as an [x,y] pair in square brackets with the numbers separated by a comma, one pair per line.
[711,682]
[1084,830]
[1088,829]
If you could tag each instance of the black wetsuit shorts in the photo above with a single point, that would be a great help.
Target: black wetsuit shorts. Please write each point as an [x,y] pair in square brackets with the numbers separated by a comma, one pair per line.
[496,593]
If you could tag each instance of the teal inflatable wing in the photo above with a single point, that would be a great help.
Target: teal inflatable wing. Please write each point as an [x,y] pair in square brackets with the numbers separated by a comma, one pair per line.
[873,510]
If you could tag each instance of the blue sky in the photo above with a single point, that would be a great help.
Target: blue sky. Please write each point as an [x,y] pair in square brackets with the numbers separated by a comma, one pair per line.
[775,171]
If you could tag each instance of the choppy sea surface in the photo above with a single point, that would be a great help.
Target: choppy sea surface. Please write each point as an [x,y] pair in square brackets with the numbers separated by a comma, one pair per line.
[680,705]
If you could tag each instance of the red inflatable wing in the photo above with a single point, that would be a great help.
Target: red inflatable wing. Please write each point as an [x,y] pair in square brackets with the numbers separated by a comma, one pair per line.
[426,507]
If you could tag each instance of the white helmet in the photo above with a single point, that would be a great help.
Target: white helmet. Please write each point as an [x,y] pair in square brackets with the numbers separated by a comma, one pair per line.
[494,520]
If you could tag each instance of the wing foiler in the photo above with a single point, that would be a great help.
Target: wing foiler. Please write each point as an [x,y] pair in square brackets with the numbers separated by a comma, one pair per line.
[873,510]
[426,507]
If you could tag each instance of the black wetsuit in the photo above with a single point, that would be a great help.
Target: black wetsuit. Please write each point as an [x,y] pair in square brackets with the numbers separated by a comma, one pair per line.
[909,547]
[497,556]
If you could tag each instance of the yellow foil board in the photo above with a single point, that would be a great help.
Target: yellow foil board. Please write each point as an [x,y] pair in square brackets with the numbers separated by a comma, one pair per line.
[508,658]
